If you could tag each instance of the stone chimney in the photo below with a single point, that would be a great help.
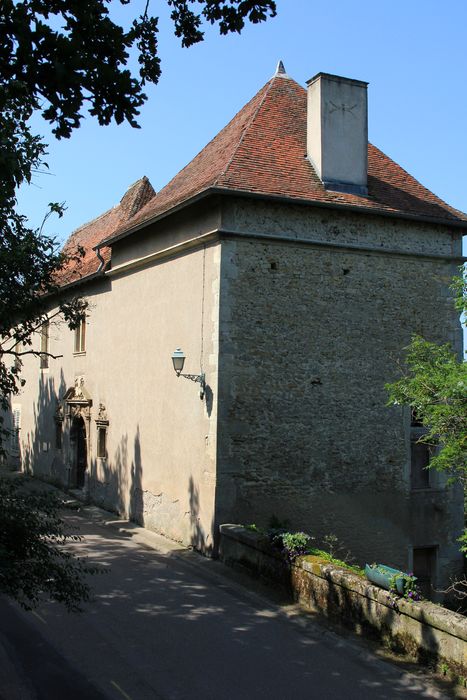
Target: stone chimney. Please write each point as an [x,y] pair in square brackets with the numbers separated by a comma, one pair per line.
[337,132]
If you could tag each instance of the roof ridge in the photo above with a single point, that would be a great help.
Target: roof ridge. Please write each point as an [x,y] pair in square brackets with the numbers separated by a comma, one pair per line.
[251,121]
[91,221]
[117,209]
[143,178]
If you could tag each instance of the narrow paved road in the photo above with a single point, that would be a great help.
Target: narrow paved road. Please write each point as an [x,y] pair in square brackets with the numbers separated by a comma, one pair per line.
[166,625]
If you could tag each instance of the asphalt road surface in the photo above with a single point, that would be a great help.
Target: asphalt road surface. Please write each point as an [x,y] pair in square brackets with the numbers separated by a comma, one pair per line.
[167,624]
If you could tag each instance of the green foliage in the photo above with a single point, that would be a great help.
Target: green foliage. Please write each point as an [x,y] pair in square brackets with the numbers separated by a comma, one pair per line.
[295,544]
[463,542]
[435,387]
[230,16]
[409,586]
[334,560]
[66,54]
[57,57]
[444,668]
[34,561]
[459,287]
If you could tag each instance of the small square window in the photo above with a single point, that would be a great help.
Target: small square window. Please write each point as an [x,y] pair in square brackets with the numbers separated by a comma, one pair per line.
[101,442]
[80,336]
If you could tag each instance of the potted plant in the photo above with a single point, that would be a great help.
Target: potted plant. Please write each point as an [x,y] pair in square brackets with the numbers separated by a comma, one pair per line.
[392,579]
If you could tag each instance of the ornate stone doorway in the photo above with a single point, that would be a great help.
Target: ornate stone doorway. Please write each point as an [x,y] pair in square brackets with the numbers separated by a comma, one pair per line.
[79,446]
[78,412]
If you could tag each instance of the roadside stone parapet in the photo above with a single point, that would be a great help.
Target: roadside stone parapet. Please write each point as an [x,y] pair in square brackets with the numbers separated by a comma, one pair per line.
[430,633]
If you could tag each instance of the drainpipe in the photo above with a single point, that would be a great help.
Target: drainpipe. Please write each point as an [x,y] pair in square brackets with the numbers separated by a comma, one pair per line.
[101,259]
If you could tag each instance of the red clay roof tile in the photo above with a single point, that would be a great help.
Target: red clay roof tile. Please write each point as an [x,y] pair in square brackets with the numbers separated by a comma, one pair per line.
[263,150]
[91,234]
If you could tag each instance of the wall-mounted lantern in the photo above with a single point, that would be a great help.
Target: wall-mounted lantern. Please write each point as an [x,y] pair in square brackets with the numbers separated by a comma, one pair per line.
[178,359]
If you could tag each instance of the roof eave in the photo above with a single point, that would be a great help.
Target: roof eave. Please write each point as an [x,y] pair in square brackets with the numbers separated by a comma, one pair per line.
[99,274]
[153,219]
[301,201]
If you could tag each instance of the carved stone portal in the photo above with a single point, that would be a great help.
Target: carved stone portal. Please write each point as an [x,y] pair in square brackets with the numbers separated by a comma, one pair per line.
[78,393]
[78,403]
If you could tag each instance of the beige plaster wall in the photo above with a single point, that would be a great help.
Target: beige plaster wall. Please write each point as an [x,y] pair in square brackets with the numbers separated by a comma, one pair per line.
[178,228]
[161,440]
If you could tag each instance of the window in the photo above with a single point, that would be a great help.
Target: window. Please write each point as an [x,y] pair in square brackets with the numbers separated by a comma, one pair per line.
[58,434]
[80,336]
[15,429]
[45,345]
[424,568]
[101,442]
[102,423]
[419,464]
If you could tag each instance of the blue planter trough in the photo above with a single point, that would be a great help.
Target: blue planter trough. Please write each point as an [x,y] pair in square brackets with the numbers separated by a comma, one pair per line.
[383,576]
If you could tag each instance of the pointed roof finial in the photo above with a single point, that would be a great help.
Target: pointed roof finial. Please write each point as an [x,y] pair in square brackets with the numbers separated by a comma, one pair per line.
[280,70]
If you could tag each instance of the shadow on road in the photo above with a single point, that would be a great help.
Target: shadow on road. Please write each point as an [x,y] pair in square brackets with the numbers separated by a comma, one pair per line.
[162,627]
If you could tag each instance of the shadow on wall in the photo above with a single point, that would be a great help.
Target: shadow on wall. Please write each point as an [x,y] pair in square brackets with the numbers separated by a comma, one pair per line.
[40,453]
[117,484]
[199,539]
[10,453]
[136,478]
[209,398]
[114,483]
[48,452]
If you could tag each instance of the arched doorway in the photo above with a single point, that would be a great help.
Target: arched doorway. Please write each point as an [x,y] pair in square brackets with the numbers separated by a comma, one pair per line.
[80,462]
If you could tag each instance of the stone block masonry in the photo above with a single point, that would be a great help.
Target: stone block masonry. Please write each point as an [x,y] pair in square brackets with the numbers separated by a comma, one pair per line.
[309,335]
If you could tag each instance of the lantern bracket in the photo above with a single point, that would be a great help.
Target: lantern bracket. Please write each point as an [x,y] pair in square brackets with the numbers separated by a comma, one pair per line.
[178,359]
[198,378]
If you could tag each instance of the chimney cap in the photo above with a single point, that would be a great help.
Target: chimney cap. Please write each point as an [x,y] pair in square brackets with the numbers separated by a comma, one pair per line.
[337,78]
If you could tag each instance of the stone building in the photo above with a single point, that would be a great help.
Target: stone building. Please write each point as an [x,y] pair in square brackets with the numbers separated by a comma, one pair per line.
[292,262]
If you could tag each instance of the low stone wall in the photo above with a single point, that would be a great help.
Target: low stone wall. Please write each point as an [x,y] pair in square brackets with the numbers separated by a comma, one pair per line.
[429,632]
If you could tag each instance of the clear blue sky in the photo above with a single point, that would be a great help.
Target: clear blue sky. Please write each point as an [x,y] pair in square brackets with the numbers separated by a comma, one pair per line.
[413,54]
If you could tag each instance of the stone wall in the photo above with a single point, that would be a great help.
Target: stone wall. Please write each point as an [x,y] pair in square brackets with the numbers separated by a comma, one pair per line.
[339,227]
[309,335]
[428,632]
